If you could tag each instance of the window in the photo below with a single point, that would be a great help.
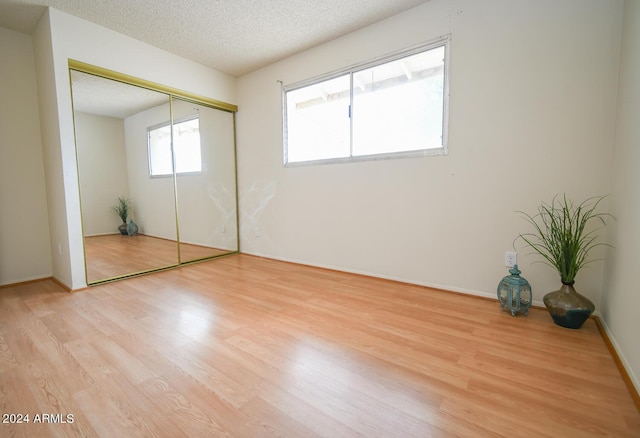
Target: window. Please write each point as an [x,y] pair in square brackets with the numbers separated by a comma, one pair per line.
[186,145]
[391,107]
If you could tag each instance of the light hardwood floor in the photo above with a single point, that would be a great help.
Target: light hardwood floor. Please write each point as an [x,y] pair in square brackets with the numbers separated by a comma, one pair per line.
[248,347]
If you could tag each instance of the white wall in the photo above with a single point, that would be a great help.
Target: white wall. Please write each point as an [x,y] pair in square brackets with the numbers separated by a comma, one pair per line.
[206,200]
[61,218]
[59,37]
[153,198]
[25,253]
[102,168]
[621,298]
[532,106]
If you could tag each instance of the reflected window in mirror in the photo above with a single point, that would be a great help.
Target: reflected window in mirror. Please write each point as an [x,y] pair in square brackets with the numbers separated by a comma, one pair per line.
[186,147]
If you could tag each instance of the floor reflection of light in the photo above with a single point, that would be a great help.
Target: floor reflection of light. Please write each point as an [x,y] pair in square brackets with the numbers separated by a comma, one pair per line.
[191,323]
[344,380]
[310,362]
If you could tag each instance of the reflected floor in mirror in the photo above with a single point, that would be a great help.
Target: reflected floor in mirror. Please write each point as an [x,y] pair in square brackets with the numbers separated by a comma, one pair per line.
[115,255]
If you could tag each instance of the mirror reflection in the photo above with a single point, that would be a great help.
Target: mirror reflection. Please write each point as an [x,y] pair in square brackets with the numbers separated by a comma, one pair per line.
[203,141]
[169,162]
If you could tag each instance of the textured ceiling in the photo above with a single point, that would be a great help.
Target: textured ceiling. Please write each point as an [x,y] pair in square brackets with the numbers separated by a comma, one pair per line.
[232,36]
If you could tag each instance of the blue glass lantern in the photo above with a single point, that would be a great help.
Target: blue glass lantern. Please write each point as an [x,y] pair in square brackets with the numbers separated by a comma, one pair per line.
[514,293]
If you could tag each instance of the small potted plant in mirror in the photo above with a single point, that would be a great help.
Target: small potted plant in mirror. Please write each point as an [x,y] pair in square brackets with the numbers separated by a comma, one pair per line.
[123,209]
[564,233]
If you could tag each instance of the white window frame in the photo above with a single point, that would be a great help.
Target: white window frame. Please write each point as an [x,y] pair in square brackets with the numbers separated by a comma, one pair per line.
[443,41]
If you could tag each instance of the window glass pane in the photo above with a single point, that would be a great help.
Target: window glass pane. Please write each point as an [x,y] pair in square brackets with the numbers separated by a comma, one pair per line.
[318,121]
[160,161]
[186,141]
[383,107]
[398,106]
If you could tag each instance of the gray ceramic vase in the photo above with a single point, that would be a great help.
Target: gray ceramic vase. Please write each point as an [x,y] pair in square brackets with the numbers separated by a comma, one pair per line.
[567,307]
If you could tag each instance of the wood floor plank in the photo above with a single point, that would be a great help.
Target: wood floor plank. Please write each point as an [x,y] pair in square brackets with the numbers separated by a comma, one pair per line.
[92,361]
[72,324]
[16,398]
[92,315]
[216,380]
[60,328]
[23,348]
[356,410]
[127,363]
[135,345]
[55,398]
[383,383]
[538,404]
[188,417]
[248,347]
[305,413]
[7,359]
[233,421]
[114,412]
[269,421]
[50,348]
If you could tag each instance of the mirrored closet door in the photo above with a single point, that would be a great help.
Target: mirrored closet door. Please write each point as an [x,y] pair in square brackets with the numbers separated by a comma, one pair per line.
[203,141]
[170,159]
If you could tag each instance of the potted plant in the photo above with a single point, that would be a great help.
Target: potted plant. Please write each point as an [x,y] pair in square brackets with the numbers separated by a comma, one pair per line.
[123,209]
[564,236]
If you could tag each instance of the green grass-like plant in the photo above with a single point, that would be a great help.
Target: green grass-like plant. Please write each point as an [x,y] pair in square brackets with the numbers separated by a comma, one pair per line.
[123,208]
[563,235]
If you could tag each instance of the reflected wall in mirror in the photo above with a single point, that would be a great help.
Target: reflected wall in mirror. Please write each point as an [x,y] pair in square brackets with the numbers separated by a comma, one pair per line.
[203,140]
[125,148]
